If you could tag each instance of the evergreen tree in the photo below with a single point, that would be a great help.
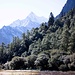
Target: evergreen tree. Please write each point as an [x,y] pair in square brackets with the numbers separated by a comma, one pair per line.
[51,19]
[71,46]
[64,40]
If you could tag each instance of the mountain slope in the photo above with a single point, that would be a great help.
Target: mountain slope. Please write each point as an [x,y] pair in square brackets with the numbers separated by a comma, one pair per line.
[49,47]
[70,4]
[7,33]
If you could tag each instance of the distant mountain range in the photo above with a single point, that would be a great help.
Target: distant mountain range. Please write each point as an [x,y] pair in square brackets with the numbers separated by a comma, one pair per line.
[20,26]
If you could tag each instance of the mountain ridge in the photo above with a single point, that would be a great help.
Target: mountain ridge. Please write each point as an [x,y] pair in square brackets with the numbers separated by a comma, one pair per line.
[30,18]
[70,4]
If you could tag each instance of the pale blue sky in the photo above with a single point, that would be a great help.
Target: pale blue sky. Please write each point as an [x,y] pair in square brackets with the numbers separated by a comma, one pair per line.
[11,10]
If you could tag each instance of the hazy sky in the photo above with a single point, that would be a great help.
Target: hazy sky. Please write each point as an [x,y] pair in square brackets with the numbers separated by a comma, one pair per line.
[11,10]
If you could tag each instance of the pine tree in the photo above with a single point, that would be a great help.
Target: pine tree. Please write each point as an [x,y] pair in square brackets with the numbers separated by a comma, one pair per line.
[71,47]
[64,40]
[51,19]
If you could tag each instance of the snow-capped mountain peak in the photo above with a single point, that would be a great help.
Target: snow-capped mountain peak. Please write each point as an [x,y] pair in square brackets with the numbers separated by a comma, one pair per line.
[30,18]
[33,17]
[31,14]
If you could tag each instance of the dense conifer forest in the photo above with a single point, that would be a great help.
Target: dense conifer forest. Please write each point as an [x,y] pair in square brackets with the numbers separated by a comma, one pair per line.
[49,47]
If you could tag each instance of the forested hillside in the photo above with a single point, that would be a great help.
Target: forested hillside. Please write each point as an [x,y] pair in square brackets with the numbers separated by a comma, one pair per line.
[49,47]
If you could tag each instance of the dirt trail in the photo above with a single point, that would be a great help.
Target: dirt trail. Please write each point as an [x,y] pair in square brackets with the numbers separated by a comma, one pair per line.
[19,72]
[34,72]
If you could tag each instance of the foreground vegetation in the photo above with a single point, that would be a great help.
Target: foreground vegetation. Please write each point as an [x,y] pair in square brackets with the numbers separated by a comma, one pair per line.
[49,47]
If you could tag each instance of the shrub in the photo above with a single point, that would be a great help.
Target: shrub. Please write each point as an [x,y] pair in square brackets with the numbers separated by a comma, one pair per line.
[16,63]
